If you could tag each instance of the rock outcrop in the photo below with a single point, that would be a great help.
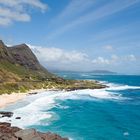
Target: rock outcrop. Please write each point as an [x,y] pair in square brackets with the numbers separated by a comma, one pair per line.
[8,132]
[6,114]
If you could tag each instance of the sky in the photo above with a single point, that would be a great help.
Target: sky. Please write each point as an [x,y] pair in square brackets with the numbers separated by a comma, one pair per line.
[76,35]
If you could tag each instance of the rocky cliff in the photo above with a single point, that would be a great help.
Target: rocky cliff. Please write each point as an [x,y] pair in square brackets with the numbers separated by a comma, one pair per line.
[21,61]
[22,55]
[20,70]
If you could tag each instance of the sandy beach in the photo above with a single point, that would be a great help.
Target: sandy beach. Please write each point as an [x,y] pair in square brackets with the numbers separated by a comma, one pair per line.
[6,99]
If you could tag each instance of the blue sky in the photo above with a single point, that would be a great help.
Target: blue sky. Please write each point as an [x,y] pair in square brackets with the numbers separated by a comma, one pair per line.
[76,34]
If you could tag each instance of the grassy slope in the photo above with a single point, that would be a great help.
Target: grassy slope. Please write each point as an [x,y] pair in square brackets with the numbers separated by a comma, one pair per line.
[16,78]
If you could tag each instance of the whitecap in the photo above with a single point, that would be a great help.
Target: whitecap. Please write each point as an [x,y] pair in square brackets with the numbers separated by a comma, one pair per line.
[39,106]
[113,86]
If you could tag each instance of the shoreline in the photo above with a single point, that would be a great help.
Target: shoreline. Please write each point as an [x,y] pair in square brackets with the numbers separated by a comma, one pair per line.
[7,99]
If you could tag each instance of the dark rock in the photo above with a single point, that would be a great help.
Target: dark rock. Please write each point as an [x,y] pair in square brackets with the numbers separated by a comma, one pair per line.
[6,114]
[18,118]
[32,93]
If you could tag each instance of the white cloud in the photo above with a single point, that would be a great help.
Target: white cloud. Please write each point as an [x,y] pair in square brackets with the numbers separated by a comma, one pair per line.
[100,60]
[56,58]
[114,59]
[59,55]
[16,10]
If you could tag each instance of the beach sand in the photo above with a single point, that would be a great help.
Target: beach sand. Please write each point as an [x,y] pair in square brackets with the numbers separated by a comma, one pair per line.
[6,99]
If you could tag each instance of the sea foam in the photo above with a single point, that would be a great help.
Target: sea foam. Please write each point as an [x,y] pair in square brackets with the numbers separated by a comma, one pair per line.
[121,87]
[39,106]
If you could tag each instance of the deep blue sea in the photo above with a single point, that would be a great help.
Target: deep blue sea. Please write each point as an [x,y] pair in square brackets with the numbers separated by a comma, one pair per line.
[105,114]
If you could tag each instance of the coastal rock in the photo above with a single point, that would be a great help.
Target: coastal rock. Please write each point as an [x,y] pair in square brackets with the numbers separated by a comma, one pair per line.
[27,134]
[5,124]
[32,93]
[6,114]
[32,134]
[7,132]
[18,118]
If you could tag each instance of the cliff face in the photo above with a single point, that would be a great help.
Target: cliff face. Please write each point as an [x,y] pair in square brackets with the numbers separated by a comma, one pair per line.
[23,56]
[20,54]
[20,62]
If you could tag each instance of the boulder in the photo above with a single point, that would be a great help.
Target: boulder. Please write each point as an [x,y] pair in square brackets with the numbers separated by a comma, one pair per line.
[7,132]
[18,118]
[6,114]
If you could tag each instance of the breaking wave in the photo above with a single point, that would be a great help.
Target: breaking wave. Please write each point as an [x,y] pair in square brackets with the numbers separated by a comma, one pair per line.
[38,107]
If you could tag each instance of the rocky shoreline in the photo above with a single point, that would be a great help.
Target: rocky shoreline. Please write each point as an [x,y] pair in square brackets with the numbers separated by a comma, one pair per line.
[8,132]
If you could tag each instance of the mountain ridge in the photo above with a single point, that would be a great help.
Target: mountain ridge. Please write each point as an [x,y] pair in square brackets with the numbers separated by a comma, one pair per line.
[22,56]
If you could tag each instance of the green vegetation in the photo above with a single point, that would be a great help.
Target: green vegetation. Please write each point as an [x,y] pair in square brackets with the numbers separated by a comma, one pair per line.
[16,78]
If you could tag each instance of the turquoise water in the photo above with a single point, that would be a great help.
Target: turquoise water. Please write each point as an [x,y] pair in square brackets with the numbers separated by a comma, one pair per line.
[107,114]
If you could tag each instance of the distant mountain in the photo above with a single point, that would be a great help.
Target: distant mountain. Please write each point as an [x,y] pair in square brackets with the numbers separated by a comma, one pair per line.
[94,71]
[102,72]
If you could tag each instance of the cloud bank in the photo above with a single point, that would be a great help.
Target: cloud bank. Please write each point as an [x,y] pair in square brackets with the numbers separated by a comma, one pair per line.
[60,59]
[18,10]
[58,55]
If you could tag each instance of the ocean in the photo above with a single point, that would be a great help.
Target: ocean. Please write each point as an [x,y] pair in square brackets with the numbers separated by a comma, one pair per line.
[112,113]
